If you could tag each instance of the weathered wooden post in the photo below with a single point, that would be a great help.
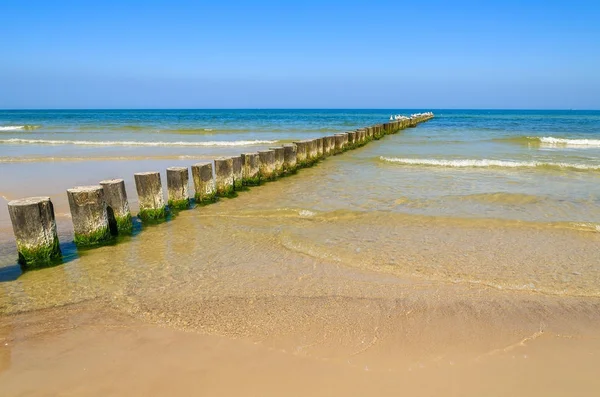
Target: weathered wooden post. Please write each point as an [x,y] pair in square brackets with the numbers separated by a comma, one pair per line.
[204,183]
[34,226]
[267,164]
[89,215]
[224,176]
[330,145]
[117,206]
[351,139]
[279,160]
[320,151]
[177,188]
[150,196]
[238,177]
[251,169]
[311,155]
[339,143]
[301,153]
[289,158]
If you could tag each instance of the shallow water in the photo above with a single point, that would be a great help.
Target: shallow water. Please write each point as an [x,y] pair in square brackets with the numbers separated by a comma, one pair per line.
[476,200]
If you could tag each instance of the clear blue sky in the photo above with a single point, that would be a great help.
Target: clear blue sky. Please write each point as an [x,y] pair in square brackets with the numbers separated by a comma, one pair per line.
[306,54]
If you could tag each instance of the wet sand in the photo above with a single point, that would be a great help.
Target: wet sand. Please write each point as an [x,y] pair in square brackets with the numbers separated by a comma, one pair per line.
[86,350]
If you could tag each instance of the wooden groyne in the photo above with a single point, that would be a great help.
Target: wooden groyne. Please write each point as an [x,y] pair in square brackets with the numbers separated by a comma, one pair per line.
[101,212]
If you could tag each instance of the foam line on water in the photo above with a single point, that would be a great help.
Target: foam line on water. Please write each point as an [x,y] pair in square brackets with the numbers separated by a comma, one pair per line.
[548,140]
[18,127]
[131,143]
[485,163]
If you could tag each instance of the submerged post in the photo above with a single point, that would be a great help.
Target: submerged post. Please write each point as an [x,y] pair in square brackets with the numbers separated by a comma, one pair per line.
[34,226]
[150,196]
[204,183]
[177,188]
[238,178]
[89,215]
[224,176]
[267,164]
[117,207]
[279,160]
[289,158]
[250,169]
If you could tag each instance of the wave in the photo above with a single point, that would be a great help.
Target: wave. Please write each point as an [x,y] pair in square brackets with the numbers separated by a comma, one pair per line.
[131,143]
[548,140]
[43,159]
[19,127]
[551,141]
[485,163]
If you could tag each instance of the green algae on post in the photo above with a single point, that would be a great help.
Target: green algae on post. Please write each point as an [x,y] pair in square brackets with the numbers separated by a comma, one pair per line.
[117,206]
[204,183]
[177,188]
[150,196]
[224,176]
[250,169]
[89,215]
[267,165]
[34,227]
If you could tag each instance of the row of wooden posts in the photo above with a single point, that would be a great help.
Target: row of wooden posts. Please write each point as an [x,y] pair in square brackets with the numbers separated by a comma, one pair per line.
[101,212]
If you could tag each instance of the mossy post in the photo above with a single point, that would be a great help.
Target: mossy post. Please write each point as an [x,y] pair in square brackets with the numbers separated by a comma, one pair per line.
[370,133]
[238,178]
[279,160]
[89,215]
[177,188]
[329,145]
[250,169]
[320,147]
[204,183]
[34,226]
[312,154]
[339,143]
[267,164]
[117,206]
[150,196]
[351,139]
[289,158]
[224,176]
[301,153]
[412,122]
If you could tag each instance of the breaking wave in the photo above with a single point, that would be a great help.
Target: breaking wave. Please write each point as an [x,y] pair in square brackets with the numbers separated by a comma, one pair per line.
[484,163]
[19,127]
[548,140]
[131,143]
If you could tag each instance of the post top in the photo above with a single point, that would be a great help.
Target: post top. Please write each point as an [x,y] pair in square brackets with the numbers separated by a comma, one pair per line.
[266,151]
[82,189]
[177,169]
[111,181]
[205,163]
[276,148]
[250,154]
[28,201]
[147,173]
[223,158]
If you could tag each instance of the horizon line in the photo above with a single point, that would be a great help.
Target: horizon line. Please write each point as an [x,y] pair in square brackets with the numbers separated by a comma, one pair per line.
[299,108]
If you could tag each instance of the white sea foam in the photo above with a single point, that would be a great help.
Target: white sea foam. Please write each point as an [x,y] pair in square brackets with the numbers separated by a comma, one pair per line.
[548,140]
[12,127]
[484,163]
[131,143]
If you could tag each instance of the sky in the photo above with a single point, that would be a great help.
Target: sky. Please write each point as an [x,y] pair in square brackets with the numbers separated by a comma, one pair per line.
[300,54]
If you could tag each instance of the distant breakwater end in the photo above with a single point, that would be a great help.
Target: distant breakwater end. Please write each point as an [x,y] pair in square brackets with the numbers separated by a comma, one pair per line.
[100,213]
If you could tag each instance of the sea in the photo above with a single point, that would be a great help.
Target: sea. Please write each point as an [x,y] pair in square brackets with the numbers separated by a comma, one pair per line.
[501,199]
